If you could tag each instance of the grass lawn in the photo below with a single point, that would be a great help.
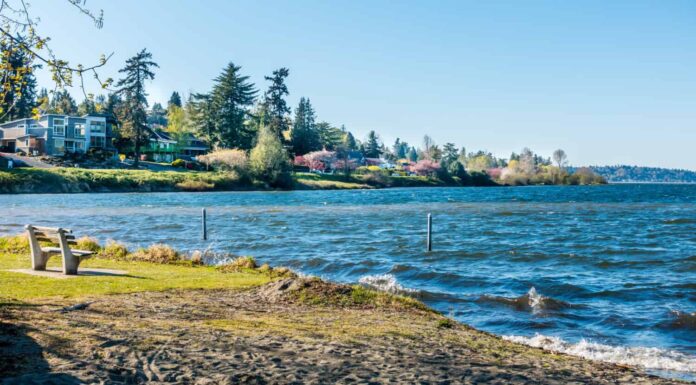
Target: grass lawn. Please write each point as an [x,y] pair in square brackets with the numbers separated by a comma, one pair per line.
[141,276]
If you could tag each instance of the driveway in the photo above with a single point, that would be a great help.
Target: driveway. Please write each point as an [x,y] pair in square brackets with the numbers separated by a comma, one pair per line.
[25,160]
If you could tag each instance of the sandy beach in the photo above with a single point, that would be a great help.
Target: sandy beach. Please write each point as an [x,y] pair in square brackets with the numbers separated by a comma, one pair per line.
[289,332]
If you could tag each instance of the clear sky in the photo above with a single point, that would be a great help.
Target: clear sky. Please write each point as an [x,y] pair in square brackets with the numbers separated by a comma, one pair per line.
[608,81]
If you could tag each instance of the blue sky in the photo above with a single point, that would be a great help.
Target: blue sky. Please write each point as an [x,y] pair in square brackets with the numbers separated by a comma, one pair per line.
[609,82]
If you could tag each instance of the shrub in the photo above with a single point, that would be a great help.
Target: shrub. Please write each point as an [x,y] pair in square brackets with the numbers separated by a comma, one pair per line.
[269,161]
[157,253]
[238,265]
[114,250]
[226,160]
[17,244]
[195,185]
[89,244]
[179,163]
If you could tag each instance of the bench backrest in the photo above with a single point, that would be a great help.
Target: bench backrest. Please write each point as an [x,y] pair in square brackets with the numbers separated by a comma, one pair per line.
[51,234]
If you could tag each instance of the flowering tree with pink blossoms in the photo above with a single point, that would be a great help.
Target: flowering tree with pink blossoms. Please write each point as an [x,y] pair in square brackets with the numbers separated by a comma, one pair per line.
[426,167]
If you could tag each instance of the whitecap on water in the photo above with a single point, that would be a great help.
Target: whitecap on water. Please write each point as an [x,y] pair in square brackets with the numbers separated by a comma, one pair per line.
[648,358]
[385,282]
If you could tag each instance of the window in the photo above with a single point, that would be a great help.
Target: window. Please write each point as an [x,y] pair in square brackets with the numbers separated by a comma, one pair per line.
[59,127]
[97,127]
[58,145]
[69,145]
[22,126]
[96,141]
[80,146]
[79,130]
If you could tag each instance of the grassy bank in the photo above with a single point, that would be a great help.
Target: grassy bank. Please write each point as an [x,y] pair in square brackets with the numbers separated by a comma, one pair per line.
[75,180]
[180,322]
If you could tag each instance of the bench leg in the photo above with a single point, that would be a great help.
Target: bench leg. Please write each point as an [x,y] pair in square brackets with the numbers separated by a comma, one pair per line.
[70,264]
[70,261]
[38,257]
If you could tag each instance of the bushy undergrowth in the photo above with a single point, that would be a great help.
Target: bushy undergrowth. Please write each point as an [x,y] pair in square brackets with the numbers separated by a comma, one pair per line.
[71,180]
[16,244]
[157,253]
[114,250]
[89,244]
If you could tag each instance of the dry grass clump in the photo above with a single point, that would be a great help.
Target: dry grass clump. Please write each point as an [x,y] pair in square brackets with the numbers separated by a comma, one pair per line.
[238,265]
[114,250]
[317,292]
[89,244]
[157,253]
[16,244]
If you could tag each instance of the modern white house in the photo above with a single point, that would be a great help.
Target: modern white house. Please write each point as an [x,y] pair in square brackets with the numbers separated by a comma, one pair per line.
[54,134]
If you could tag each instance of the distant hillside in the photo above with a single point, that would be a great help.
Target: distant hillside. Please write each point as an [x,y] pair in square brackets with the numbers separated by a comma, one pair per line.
[618,174]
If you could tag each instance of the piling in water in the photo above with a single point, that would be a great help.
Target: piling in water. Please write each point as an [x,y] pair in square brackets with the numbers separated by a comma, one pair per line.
[205,226]
[429,240]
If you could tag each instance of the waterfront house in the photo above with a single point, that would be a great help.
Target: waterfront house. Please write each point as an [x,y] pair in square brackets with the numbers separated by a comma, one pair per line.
[54,134]
[162,146]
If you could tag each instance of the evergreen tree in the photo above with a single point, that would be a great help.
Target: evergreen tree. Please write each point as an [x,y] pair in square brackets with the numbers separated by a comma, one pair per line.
[231,97]
[202,117]
[87,107]
[304,136]
[349,141]
[158,115]
[43,101]
[99,103]
[18,82]
[412,154]
[133,113]
[330,137]
[449,154]
[274,105]
[62,103]
[174,100]
[372,148]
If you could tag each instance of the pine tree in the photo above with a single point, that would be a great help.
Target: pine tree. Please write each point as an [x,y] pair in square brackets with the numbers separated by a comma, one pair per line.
[304,136]
[231,97]
[274,105]
[157,115]
[202,116]
[174,100]
[449,154]
[412,154]
[63,103]
[349,142]
[19,84]
[87,107]
[372,145]
[330,137]
[133,113]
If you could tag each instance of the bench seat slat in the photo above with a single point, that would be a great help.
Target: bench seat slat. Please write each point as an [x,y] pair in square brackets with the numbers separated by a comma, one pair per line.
[80,253]
[49,229]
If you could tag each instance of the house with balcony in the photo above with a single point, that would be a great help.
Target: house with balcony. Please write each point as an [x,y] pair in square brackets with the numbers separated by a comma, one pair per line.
[54,134]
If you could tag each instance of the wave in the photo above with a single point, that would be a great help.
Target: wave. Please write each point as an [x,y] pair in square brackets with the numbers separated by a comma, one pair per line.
[648,358]
[679,221]
[387,283]
[683,320]
[532,301]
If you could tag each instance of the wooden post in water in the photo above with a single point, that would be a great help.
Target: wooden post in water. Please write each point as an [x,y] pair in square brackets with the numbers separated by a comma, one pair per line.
[205,225]
[429,241]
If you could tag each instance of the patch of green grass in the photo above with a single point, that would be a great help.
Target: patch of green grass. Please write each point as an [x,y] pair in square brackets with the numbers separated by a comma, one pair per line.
[141,276]
[60,179]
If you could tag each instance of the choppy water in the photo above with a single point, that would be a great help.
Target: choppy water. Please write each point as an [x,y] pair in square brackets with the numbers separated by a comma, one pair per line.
[605,272]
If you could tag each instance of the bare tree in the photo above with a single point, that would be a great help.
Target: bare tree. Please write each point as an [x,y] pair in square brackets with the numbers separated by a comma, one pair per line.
[560,157]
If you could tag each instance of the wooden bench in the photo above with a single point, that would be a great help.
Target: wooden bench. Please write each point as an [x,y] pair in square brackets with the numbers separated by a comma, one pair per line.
[64,238]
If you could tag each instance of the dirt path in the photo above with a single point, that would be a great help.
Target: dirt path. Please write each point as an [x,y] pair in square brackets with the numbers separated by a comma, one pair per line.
[263,336]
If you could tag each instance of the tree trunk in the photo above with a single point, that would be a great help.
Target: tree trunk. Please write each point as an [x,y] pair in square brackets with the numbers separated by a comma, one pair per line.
[137,147]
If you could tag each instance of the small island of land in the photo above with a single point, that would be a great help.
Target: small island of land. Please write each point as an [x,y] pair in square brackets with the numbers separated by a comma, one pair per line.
[170,319]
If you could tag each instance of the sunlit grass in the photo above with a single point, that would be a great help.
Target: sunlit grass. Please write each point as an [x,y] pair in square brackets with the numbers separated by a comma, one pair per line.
[141,276]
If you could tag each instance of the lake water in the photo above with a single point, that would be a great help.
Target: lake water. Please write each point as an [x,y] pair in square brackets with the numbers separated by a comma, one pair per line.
[605,272]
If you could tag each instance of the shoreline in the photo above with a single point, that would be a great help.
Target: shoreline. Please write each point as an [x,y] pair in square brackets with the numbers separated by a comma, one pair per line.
[180,321]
